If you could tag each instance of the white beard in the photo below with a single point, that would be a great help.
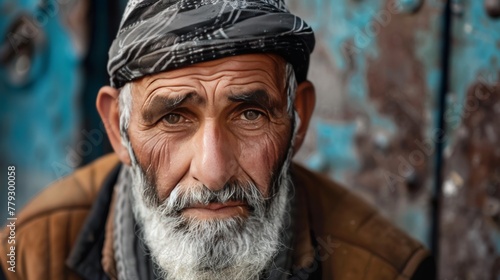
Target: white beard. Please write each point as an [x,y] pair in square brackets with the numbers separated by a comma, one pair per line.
[232,248]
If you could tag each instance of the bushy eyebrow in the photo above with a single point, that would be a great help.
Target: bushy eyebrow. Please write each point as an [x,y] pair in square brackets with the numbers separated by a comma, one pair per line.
[160,104]
[258,97]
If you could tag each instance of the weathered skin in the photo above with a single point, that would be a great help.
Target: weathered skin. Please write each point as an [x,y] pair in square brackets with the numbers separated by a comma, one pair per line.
[232,125]
[210,139]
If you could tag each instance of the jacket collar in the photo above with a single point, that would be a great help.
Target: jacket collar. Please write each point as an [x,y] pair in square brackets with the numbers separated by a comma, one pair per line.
[85,257]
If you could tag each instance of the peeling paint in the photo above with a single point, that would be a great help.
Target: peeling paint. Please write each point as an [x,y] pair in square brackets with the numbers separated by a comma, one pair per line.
[475,155]
[384,110]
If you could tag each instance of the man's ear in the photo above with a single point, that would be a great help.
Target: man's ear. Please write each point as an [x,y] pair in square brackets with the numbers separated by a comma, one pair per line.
[107,105]
[305,100]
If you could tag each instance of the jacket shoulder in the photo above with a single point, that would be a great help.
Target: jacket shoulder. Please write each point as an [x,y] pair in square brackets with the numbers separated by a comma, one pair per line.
[356,241]
[48,226]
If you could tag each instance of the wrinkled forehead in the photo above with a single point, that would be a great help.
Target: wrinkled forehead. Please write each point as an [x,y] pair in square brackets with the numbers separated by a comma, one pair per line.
[264,71]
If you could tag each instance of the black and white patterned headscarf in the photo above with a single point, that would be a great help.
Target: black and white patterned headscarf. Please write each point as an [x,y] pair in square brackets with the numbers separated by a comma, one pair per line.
[160,35]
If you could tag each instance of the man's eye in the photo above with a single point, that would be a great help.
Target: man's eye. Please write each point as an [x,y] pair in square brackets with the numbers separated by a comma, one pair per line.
[173,118]
[251,115]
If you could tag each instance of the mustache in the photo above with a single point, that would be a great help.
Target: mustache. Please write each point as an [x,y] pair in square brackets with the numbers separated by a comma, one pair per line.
[183,197]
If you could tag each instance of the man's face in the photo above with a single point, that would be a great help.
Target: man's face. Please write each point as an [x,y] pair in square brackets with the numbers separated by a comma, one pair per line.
[210,148]
[212,124]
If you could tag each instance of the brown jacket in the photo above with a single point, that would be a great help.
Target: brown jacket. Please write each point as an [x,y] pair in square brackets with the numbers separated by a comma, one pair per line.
[337,233]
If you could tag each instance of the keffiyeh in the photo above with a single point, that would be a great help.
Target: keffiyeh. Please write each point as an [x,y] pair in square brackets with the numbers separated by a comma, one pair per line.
[160,35]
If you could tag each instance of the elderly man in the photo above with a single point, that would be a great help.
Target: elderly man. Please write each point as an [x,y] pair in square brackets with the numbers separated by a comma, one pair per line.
[209,101]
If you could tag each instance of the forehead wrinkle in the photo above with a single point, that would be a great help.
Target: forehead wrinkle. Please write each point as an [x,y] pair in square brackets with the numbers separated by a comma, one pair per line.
[160,86]
[214,92]
[234,74]
[271,78]
[233,69]
[152,80]
[272,90]
[164,82]
[219,70]
[220,67]
[266,81]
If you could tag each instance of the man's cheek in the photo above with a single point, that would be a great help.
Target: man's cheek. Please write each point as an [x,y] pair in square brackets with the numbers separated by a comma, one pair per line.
[152,150]
[161,161]
[261,158]
[275,145]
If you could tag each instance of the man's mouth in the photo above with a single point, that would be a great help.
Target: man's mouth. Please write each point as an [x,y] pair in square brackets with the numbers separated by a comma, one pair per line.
[217,210]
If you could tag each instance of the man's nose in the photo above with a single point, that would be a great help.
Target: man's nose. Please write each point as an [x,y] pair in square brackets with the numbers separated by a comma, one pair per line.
[214,162]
